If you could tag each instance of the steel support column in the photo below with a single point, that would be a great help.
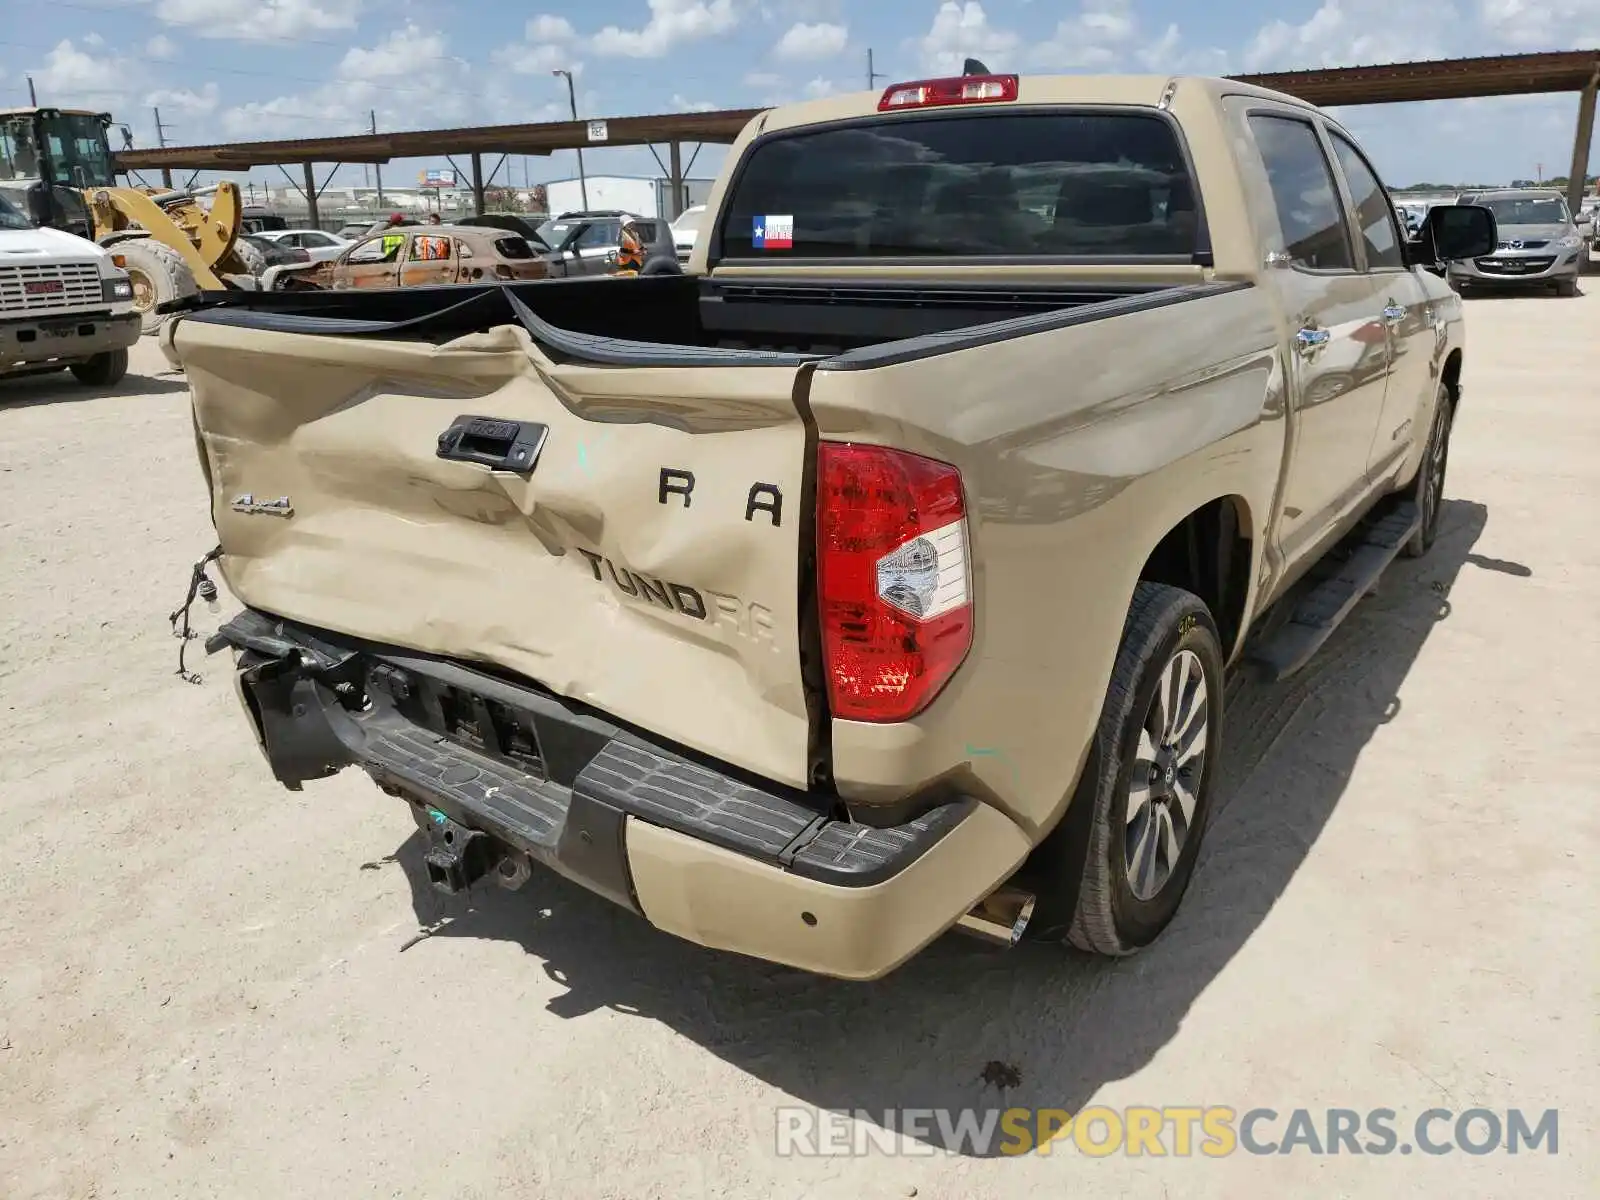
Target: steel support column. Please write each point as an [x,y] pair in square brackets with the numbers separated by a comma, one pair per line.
[1580,144]
[311,193]
[166,178]
[477,184]
[675,180]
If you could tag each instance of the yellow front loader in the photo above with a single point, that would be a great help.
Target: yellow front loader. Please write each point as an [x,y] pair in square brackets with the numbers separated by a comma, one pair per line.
[56,165]
[170,244]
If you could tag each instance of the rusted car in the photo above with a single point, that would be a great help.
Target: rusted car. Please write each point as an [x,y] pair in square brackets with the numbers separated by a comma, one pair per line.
[416,256]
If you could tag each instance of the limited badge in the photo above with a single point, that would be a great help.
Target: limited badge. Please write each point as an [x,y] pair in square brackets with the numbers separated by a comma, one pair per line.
[773,232]
[281,507]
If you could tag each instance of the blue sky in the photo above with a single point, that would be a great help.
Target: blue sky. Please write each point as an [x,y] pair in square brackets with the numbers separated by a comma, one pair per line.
[228,70]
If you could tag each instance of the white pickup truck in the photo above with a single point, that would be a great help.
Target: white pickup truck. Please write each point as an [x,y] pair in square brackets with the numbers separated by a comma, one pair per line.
[65,303]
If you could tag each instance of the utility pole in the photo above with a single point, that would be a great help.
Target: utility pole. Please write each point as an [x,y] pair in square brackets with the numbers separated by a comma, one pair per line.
[33,97]
[872,76]
[377,170]
[161,140]
[572,99]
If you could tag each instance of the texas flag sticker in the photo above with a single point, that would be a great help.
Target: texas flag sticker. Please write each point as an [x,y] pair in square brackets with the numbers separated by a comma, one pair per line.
[773,232]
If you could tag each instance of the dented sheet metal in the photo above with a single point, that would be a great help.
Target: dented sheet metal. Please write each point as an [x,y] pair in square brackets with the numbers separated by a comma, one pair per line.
[662,519]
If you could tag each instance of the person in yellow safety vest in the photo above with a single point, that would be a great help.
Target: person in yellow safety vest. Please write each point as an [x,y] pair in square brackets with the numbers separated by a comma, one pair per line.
[630,251]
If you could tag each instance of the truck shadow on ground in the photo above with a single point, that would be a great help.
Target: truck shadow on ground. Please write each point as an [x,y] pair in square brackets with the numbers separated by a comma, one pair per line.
[61,387]
[962,1026]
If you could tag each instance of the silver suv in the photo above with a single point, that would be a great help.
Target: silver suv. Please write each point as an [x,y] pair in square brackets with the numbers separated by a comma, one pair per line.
[1539,243]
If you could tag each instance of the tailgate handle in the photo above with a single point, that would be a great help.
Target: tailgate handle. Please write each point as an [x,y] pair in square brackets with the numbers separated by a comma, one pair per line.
[491,442]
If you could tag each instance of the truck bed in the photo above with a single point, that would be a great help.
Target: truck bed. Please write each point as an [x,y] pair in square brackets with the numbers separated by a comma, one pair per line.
[687,320]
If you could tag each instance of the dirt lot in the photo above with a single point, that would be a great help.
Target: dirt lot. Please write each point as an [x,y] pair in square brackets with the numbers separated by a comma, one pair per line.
[212,987]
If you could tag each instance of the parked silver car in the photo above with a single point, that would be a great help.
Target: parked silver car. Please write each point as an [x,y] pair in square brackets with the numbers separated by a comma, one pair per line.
[1539,243]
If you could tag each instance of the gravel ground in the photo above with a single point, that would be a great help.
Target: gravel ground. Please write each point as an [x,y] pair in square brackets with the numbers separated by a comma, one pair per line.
[213,987]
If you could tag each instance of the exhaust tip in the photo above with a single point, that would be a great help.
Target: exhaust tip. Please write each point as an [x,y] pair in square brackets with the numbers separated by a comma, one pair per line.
[999,918]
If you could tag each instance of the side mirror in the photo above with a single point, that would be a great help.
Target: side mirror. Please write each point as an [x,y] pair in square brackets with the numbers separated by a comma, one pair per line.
[1453,232]
[41,204]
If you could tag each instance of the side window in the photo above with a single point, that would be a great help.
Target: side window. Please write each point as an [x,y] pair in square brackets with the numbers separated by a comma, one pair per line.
[371,251]
[1373,211]
[430,248]
[1309,210]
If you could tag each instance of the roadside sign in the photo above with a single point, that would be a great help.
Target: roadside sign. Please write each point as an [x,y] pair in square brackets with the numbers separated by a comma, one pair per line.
[598,131]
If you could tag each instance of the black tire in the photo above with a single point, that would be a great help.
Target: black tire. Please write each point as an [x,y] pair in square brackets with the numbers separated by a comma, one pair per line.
[662,265]
[159,274]
[253,259]
[1165,626]
[1427,492]
[103,370]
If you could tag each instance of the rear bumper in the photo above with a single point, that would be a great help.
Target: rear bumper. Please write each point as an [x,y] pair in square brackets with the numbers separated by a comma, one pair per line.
[516,776]
[66,337]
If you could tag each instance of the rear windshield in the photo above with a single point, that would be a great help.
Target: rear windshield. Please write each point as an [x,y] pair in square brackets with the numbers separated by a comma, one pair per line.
[1100,185]
[513,247]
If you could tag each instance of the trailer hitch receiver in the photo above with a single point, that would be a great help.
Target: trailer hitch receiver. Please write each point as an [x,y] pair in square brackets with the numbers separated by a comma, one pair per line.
[457,857]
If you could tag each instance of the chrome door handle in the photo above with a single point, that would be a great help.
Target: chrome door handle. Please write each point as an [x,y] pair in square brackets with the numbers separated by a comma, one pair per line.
[1394,314]
[1310,339]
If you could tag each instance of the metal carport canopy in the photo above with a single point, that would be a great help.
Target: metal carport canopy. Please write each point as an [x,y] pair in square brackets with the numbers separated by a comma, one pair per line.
[541,138]
[1395,83]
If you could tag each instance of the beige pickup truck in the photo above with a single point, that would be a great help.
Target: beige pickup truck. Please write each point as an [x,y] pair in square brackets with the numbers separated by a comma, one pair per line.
[878,575]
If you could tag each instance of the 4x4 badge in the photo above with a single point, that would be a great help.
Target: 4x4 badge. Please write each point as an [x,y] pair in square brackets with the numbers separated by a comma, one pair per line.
[272,508]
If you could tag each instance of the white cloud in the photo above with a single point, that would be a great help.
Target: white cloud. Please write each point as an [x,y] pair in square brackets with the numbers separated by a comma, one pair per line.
[819,87]
[1097,37]
[672,22]
[961,31]
[683,105]
[185,100]
[405,52]
[803,41]
[1542,24]
[762,79]
[260,20]
[161,48]
[70,72]
[548,28]
[1348,33]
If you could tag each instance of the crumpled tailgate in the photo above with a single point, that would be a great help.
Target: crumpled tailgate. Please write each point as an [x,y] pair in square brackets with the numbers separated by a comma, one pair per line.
[648,564]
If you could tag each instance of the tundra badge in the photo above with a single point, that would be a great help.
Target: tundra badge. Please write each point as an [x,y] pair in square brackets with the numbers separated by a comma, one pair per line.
[272,508]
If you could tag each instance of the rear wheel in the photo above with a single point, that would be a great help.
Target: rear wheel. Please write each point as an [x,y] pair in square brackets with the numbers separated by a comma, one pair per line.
[1428,491]
[253,259]
[158,274]
[1159,739]
[103,370]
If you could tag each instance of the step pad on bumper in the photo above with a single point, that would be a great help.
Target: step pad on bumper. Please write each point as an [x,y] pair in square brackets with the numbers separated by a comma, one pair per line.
[536,772]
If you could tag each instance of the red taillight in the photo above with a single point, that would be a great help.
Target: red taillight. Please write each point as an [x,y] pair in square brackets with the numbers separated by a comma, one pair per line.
[963,89]
[893,579]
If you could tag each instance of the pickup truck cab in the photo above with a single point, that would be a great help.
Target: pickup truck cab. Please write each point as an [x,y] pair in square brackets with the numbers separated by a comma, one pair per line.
[880,574]
[65,304]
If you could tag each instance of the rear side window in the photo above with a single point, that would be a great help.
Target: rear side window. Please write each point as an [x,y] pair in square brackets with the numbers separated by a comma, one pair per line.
[1309,210]
[1098,185]
[1373,212]
[513,247]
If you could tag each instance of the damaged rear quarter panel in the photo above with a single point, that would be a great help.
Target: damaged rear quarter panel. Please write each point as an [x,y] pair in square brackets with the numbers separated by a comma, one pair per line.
[576,575]
[1079,448]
